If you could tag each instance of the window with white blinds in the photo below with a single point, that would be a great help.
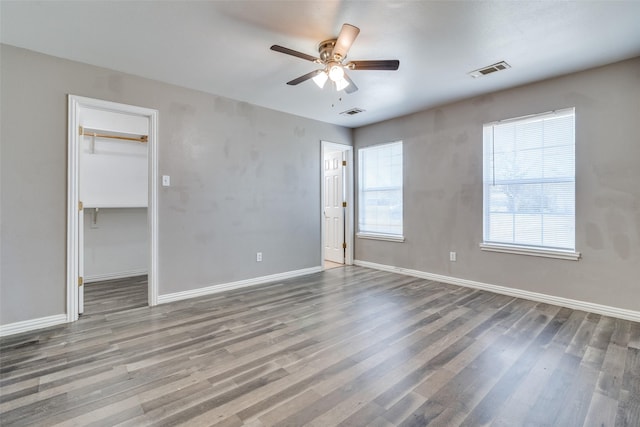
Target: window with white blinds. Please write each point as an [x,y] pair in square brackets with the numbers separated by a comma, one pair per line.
[529,182]
[380,191]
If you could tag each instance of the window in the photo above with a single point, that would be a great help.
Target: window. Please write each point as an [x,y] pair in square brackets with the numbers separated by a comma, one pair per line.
[529,185]
[380,192]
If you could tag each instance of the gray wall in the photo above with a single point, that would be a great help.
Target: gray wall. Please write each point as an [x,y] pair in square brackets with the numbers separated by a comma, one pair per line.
[117,244]
[244,179]
[443,188]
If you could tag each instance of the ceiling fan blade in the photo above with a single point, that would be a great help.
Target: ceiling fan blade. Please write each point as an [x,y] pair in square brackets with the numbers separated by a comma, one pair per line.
[292,52]
[389,65]
[304,78]
[347,35]
[352,86]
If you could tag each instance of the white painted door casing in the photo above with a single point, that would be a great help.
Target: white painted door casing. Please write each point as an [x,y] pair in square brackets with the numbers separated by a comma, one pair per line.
[75,217]
[80,260]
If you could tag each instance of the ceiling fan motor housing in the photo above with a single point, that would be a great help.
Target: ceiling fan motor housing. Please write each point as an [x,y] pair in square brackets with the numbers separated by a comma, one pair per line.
[325,49]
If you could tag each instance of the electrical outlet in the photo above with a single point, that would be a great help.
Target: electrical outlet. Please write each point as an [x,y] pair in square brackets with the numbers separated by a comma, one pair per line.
[258,256]
[452,256]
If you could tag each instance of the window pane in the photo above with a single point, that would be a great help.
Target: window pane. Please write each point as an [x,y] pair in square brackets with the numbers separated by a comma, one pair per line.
[558,230]
[529,181]
[501,226]
[380,189]
[528,229]
[558,162]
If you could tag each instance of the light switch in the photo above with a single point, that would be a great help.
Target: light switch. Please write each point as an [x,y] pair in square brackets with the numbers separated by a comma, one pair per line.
[166,180]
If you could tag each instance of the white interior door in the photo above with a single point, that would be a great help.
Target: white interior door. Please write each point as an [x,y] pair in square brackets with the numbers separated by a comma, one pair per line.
[333,207]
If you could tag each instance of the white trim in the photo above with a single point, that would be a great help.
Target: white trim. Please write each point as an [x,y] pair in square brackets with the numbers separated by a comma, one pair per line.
[75,104]
[112,276]
[33,324]
[349,197]
[380,236]
[72,209]
[350,222]
[523,250]
[213,289]
[152,210]
[605,310]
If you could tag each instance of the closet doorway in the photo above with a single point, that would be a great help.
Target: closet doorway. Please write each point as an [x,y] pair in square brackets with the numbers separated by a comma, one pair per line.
[337,204]
[112,201]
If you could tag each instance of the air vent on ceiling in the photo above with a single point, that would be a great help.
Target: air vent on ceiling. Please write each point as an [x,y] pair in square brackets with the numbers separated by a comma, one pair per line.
[353,111]
[499,66]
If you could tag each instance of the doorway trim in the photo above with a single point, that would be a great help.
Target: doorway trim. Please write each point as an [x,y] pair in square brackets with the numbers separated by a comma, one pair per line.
[75,104]
[348,196]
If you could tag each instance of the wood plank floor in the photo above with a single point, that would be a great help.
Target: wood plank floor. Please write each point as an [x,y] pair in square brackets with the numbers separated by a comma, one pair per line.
[345,347]
[112,296]
[328,265]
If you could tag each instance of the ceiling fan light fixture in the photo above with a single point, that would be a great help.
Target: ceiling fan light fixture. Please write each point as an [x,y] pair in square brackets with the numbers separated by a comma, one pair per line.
[321,79]
[336,72]
[341,84]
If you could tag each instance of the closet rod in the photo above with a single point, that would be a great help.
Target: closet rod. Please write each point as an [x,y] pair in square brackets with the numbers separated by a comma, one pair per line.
[88,132]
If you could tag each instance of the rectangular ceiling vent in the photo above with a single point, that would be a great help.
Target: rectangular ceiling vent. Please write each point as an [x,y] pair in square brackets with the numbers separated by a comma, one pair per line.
[499,66]
[353,111]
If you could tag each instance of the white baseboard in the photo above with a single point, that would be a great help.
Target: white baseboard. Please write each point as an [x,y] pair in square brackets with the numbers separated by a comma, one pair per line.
[605,310]
[112,276]
[30,325]
[213,289]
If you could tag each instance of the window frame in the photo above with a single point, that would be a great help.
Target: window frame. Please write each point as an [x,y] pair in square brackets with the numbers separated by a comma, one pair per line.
[521,248]
[385,236]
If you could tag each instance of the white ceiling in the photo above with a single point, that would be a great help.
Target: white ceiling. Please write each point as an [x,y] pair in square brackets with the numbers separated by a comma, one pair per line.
[222,47]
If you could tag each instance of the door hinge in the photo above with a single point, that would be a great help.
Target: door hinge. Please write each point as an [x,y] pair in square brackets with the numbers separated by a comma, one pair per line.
[344,204]
[80,281]
[344,163]
[344,245]
[80,206]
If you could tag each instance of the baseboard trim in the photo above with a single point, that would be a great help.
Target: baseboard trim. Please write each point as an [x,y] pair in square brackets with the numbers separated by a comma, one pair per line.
[33,324]
[112,276]
[606,310]
[213,289]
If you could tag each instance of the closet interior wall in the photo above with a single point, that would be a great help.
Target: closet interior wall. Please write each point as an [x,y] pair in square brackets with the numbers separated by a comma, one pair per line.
[114,192]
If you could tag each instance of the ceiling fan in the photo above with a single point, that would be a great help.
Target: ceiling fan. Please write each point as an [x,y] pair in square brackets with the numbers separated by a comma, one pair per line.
[333,52]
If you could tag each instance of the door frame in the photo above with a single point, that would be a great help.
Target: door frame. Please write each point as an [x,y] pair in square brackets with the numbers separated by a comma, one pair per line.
[348,196]
[75,105]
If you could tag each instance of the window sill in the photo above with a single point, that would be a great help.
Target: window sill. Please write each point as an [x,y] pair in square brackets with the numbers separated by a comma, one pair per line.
[385,237]
[523,250]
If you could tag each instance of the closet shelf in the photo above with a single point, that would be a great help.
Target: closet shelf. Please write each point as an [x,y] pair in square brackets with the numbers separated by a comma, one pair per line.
[113,206]
[113,135]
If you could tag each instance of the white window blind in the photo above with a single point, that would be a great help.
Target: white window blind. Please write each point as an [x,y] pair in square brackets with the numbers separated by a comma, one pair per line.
[380,190]
[529,181]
